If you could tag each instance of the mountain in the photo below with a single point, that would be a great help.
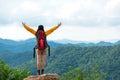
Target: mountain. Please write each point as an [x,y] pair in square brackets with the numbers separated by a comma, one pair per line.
[107,58]
[118,42]
[25,48]
[82,55]
[67,41]
[21,46]
[21,51]
[86,43]
[13,46]
[28,45]
[7,41]
[102,43]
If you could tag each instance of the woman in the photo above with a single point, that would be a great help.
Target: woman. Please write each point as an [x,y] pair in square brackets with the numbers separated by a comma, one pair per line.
[41,55]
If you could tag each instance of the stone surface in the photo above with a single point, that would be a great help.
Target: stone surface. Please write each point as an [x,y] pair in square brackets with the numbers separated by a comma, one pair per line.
[43,77]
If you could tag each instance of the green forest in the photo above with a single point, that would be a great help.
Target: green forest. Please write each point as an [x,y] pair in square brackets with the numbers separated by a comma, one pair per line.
[70,62]
[107,58]
[8,73]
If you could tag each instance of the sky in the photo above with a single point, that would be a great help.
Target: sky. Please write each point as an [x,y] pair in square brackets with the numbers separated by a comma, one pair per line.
[82,20]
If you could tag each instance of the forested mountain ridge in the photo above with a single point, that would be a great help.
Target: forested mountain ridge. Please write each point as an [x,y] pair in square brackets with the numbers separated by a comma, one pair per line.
[11,46]
[21,46]
[106,57]
[63,56]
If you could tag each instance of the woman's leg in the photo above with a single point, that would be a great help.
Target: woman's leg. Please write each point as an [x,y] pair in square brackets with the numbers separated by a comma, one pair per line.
[43,63]
[38,61]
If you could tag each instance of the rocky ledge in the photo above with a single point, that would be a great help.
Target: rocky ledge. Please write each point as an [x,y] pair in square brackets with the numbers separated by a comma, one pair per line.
[43,77]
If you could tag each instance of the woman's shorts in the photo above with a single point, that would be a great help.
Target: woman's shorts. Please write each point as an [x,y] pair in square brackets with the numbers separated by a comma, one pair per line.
[41,52]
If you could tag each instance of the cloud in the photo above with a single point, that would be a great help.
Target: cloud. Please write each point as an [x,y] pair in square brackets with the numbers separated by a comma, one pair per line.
[14,32]
[78,12]
[90,14]
[86,33]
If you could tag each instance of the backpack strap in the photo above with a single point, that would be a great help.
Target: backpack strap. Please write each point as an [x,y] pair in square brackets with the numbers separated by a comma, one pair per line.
[48,46]
[34,52]
[48,50]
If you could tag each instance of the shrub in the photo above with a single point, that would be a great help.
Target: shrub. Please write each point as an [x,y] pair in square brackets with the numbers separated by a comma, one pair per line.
[8,73]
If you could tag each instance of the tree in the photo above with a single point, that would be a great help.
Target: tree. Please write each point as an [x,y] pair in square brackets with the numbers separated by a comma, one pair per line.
[8,73]
[79,74]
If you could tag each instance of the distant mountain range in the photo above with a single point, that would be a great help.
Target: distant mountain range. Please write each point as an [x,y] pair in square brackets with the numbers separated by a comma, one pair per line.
[21,46]
[101,43]
[13,46]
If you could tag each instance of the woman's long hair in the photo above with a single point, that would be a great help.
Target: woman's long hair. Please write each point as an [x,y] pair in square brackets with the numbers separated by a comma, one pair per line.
[40,27]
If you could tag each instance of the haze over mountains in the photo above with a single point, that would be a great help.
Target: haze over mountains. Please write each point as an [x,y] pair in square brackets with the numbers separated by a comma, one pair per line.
[64,41]
[20,46]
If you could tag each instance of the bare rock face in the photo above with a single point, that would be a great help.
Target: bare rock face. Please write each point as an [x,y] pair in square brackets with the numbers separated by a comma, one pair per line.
[43,77]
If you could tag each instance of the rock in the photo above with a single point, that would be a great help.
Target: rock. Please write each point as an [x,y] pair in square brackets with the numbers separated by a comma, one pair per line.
[43,77]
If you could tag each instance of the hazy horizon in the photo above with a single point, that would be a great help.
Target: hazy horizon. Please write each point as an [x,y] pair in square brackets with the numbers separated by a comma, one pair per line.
[65,40]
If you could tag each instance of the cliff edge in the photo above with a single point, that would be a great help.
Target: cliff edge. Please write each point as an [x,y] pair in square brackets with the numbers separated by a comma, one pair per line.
[43,77]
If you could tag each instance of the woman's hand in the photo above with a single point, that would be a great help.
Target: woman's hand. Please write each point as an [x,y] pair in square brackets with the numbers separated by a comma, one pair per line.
[23,23]
[59,24]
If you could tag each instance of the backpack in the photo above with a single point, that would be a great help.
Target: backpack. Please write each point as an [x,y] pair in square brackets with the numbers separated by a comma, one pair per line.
[41,42]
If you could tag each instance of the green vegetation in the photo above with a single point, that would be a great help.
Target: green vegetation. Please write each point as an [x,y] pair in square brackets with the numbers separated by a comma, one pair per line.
[79,74]
[7,73]
[83,58]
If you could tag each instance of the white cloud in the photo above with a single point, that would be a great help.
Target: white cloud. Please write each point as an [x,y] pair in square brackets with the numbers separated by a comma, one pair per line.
[81,33]
[86,33]
[93,15]
[14,31]
[26,7]
[77,11]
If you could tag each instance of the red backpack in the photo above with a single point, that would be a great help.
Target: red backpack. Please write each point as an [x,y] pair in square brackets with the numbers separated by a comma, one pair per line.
[41,40]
